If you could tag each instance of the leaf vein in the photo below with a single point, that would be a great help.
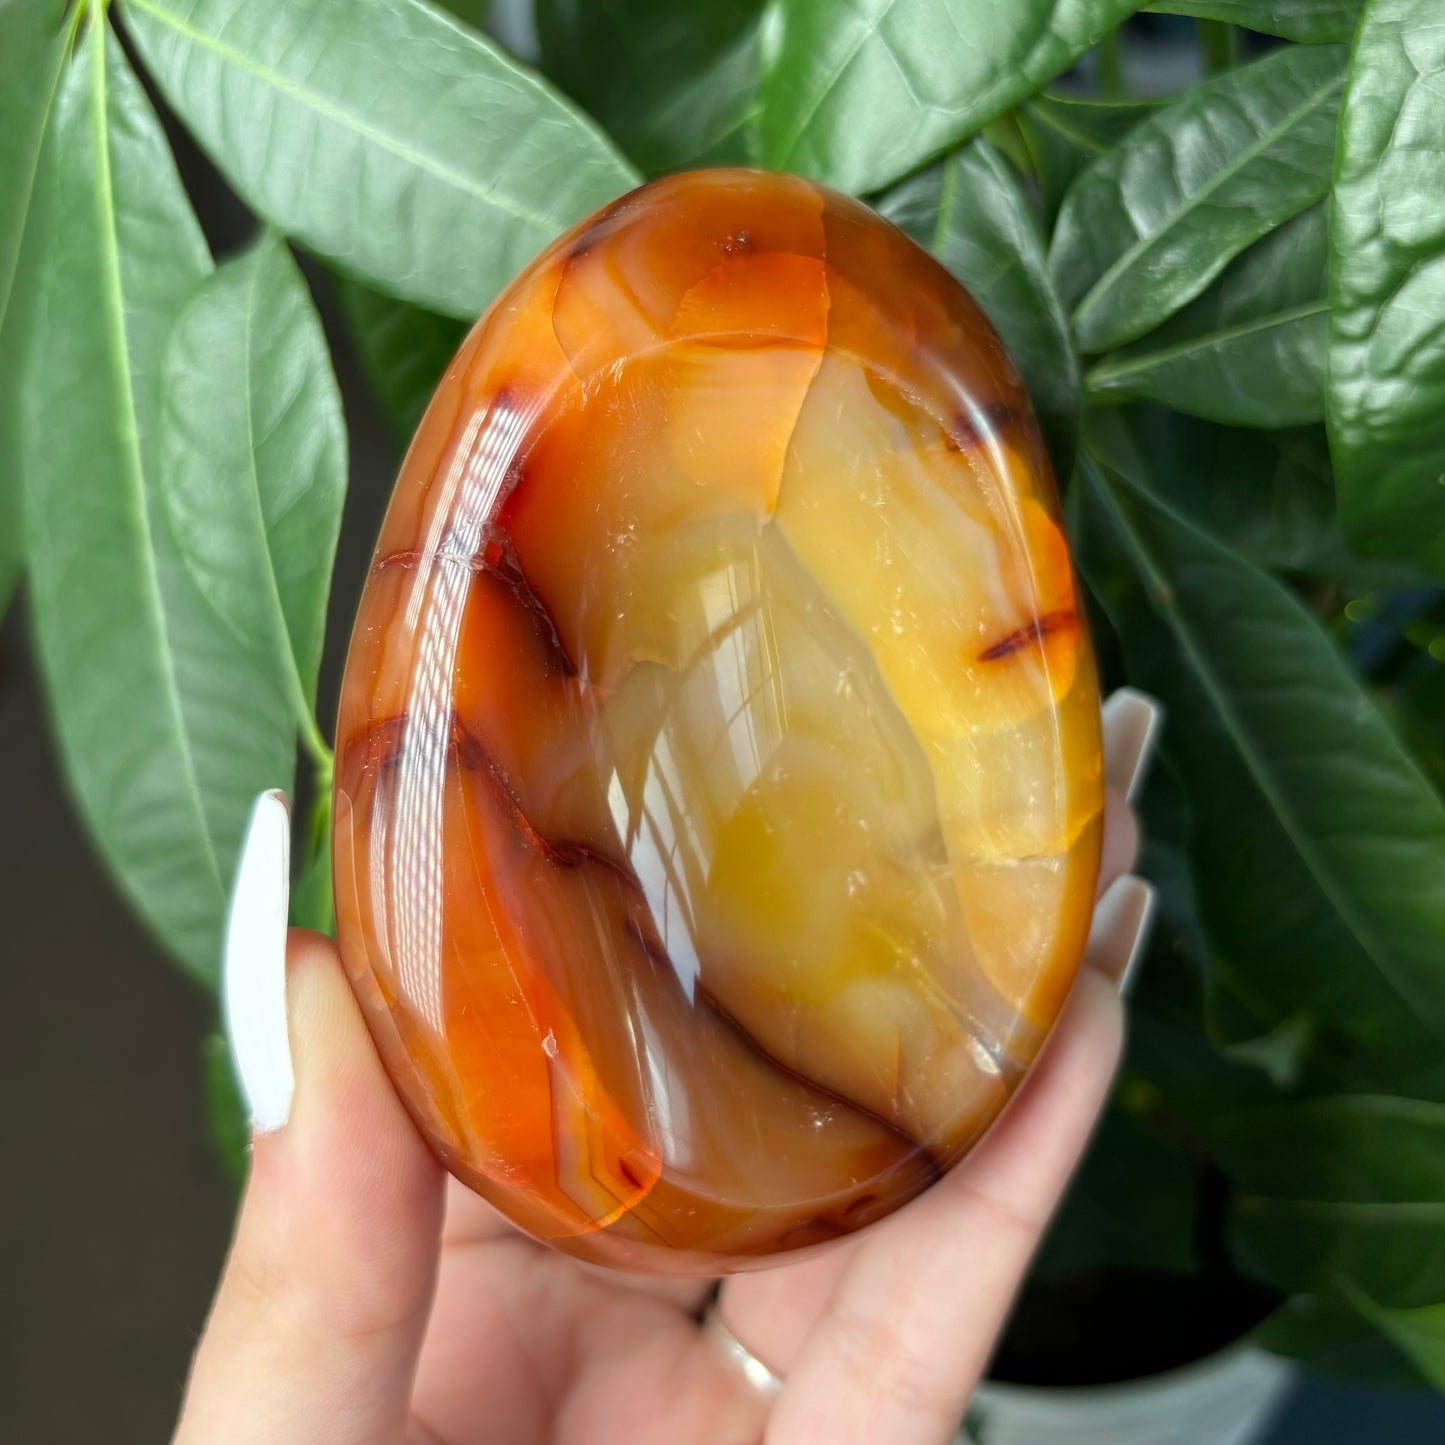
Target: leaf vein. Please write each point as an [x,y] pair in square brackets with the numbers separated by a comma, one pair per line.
[325,109]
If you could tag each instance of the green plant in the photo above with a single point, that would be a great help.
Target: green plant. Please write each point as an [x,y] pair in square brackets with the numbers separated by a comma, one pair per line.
[1229,307]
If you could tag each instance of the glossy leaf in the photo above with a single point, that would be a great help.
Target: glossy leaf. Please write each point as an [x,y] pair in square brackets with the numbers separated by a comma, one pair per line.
[858,95]
[1387,340]
[1064,134]
[34,41]
[1358,1195]
[403,148]
[1308,21]
[1419,1333]
[1149,225]
[1251,350]
[252,467]
[674,85]
[972,214]
[178,610]
[404,351]
[1318,846]
[121,254]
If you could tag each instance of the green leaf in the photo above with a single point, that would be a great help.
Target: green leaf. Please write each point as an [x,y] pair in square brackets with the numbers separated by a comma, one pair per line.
[1328,1335]
[472,13]
[1172,1069]
[674,85]
[971,213]
[226,1113]
[34,42]
[252,469]
[1149,225]
[400,146]
[1133,1205]
[117,253]
[404,351]
[177,600]
[1350,1188]
[858,95]
[1308,21]
[1063,135]
[313,904]
[1251,350]
[1318,847]
[1417,698]
[1271,493]
[1418,1333]
[1387,288]
[12,550]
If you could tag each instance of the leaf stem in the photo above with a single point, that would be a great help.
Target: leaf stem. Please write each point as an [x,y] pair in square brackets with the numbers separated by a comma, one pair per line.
[317,748]
[1112,85]
[312,905]
[1005,135]
[1219,43]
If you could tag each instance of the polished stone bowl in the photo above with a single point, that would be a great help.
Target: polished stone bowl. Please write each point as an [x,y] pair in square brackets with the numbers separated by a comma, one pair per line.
[719,788]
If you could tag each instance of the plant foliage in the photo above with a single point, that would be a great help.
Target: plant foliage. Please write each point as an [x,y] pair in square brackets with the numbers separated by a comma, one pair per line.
[1228,305]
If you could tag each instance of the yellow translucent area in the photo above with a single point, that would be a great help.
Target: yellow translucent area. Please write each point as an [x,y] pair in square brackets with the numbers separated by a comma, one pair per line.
[1028,919]
[858,778]
[947,562]
[781,817]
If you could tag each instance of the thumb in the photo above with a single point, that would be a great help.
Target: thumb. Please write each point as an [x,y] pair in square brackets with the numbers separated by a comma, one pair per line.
[320,1313]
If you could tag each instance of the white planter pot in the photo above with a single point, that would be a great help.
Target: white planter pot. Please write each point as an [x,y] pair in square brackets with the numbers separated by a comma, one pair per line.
[1226,1399]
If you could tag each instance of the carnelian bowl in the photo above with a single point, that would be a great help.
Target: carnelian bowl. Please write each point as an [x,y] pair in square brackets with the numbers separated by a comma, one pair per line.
[718,791]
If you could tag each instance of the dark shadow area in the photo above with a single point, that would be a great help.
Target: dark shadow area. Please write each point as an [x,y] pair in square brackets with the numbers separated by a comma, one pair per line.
[115,1213]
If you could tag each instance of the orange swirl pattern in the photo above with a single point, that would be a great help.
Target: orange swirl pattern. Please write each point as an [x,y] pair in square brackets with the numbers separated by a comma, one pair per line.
[719,781]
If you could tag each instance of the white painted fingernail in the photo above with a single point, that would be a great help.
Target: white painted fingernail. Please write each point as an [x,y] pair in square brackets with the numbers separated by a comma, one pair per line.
[1132,720]
[1120,932]
[254,970]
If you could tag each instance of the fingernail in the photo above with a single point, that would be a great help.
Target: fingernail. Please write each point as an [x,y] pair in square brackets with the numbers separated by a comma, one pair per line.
[254,970]
[1119,936]
[1132,720]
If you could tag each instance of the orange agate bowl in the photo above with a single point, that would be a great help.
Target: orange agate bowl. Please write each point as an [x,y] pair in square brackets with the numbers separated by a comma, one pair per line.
[718,793]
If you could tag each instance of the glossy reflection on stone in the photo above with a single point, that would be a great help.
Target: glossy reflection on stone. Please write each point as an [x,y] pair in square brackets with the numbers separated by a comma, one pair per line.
[718,793]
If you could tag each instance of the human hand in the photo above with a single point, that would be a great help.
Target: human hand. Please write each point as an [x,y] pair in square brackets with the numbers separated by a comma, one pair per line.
[371,1300]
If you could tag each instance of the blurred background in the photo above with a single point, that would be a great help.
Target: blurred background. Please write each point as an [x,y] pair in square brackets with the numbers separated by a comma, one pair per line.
[117,1208]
